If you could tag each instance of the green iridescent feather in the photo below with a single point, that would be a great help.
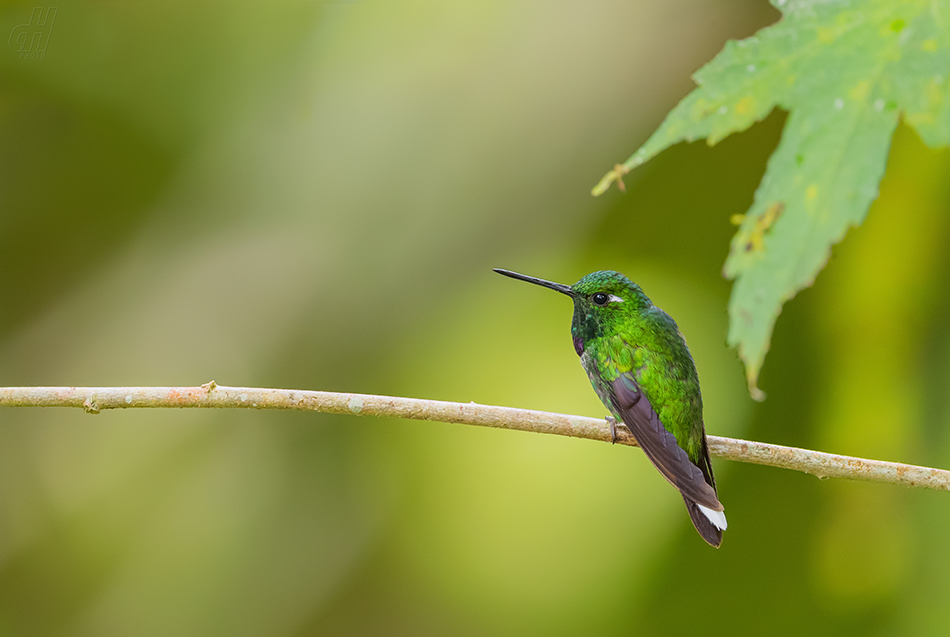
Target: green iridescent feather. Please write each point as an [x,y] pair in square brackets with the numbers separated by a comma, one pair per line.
[642,339]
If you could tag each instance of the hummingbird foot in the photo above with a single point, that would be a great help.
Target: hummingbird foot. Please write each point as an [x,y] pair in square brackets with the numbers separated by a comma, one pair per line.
[613,423]
[613,429]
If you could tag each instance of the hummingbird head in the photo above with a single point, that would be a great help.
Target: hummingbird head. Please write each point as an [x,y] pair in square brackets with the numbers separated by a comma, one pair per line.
[603,301]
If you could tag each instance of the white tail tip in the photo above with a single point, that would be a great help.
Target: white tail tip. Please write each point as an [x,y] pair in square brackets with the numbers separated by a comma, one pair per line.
[718,518]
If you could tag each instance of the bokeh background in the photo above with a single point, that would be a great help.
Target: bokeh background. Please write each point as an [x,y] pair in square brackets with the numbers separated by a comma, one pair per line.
[312,195]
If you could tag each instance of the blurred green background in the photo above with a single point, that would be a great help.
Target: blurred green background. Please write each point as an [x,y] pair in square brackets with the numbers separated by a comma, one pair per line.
[312,195]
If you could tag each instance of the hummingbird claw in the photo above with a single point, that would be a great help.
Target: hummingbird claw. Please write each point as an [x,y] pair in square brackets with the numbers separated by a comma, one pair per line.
[613,429]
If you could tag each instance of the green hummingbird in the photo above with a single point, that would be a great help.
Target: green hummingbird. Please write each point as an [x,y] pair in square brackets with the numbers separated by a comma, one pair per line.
[639,365]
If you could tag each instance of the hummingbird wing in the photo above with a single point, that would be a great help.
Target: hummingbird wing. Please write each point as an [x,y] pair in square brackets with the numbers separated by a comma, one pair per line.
[660,445]
[705,464]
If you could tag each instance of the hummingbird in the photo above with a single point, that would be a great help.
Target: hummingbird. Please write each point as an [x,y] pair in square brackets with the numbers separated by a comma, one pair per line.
[639,365]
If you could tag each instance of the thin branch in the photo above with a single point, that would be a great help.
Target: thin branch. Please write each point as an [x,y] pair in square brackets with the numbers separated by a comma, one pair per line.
[211,395]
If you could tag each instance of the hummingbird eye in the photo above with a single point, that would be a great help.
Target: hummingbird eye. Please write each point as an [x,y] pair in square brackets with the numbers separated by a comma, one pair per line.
[600,298]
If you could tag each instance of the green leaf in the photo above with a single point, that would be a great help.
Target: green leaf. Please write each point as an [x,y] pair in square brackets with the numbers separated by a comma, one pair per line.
[845,71]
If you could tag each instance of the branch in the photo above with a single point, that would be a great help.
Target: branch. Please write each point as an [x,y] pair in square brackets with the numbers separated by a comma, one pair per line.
[210,395]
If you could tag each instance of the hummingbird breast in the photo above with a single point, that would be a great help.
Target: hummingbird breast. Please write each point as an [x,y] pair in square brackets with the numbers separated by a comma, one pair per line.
[597,381]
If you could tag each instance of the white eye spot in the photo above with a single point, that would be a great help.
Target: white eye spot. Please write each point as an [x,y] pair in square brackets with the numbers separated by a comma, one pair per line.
[613,298]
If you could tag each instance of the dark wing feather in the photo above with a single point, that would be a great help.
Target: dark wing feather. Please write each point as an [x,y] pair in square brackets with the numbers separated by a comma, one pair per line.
[705,465]
[660,445]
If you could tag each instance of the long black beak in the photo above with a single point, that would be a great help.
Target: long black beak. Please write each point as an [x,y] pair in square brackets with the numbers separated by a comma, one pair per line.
[563,289]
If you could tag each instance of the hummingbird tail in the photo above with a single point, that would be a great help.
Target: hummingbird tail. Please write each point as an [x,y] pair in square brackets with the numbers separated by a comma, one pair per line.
[718,518]
[707,522]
